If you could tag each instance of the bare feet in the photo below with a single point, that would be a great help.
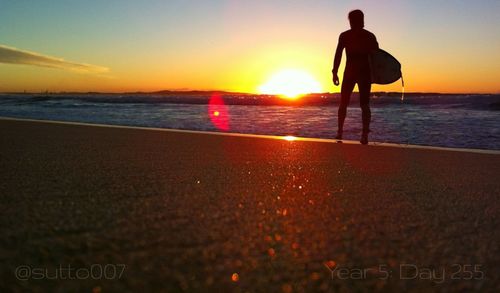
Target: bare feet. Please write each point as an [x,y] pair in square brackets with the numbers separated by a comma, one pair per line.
[364,138]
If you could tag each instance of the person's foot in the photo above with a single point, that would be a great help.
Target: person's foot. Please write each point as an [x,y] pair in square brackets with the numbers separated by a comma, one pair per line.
[339,135]
[364,138]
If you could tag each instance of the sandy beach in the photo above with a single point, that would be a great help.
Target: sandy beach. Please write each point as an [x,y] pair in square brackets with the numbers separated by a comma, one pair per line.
[190,212]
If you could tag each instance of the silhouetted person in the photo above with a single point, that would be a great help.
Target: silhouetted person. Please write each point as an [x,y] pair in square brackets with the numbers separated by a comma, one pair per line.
[358,44]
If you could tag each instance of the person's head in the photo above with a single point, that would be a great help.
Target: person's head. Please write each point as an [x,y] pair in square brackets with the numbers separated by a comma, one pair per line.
[356,19]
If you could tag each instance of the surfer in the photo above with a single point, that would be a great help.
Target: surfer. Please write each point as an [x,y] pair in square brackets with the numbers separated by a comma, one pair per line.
[358,44]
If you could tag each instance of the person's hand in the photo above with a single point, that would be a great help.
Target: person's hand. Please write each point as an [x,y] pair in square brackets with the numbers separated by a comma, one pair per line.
[335,79]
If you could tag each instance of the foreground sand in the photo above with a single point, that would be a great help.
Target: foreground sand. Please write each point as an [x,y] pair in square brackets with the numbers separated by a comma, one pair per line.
[197,212]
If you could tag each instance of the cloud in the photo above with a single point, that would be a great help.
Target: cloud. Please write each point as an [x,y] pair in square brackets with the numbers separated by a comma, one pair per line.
[11,55]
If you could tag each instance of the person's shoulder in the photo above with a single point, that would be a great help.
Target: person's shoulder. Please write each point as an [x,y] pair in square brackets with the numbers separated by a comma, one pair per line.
[369,33]
[345,34]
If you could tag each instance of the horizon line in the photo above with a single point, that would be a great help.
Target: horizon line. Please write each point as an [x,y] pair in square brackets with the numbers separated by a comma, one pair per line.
[187,91]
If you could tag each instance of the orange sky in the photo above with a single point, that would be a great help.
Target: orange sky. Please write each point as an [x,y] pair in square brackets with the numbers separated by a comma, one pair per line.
[239,45]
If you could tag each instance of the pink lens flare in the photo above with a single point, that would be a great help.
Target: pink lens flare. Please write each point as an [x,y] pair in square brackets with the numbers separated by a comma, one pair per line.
[218,112]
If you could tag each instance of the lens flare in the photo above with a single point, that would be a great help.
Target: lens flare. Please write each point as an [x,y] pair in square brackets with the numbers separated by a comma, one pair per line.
[218,112]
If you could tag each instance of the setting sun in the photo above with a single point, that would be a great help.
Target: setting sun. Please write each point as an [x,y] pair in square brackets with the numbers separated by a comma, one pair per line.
[290,83]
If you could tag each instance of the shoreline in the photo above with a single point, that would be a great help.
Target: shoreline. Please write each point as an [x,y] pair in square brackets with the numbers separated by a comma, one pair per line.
[294,138]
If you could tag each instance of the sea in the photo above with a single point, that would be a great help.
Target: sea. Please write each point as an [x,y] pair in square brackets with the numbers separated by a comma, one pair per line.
[456,121]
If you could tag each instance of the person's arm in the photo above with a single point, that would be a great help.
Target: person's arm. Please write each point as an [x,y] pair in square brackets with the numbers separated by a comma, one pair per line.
[338,55]
[374,43]
[336,61]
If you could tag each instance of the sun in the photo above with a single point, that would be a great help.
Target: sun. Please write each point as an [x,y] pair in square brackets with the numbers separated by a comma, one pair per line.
[291,84]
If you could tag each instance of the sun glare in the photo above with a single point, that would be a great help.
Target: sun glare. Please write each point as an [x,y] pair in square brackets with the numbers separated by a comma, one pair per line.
[291,84]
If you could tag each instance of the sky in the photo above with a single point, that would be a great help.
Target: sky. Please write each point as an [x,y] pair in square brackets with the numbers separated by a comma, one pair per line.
[238,45]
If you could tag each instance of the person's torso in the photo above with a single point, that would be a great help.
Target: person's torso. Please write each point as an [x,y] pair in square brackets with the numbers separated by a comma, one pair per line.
[358,45]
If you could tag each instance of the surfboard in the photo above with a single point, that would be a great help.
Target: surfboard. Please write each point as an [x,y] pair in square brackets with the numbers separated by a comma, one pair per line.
[385,69]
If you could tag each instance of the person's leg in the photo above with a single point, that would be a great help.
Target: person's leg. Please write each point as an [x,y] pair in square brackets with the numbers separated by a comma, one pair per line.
[364,102]
[345,96]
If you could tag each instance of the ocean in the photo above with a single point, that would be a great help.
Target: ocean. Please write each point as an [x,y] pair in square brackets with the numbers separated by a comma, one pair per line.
[461,121]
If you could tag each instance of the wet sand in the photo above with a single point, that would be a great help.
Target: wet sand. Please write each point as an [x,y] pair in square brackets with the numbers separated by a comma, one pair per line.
[199,212]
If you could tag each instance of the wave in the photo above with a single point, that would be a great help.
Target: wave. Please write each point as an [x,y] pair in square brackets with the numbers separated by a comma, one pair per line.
[478,102]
